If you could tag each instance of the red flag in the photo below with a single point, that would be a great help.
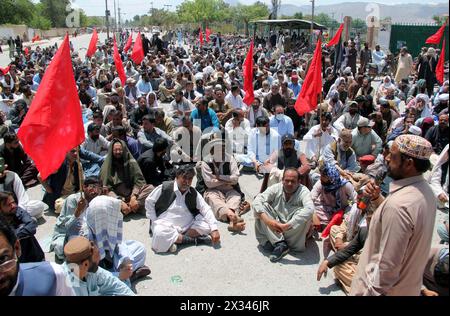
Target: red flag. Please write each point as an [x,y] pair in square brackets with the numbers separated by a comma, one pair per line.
[312,86]
[53,125]
[4,71]
[436,37]
[92,45]
[200,37]
[36,38]
[440,65]
[26,51]
[138,50]
[119,64]
[248,77]
[336,37]
[128,44]
[207,34]
[336,219]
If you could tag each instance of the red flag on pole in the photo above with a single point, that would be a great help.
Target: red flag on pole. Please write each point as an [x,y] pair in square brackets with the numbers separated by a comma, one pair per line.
[138,50]
[312,86]
[128,44]
[92,45]
[436,37]
[440,65]
[119,65]
[207,34]
[248,77]
[4,71]
[53,125]
[200,37]
[336,37]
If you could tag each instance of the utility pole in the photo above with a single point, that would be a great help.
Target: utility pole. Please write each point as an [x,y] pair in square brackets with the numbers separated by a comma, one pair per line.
[118,9]
[151,8]
[115,17]
[107,18]
[312,25]
[167,6]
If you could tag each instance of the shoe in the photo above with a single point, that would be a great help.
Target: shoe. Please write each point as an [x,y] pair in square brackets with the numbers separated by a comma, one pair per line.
[268,246]
[281,249]
[204,240]
[173,248]
[140,273]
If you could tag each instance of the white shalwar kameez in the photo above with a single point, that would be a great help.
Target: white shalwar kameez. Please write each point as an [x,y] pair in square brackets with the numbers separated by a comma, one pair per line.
[177,219]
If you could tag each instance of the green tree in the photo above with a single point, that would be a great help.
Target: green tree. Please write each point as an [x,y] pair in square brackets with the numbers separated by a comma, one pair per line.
[246,13]
[439,20]
[55,11]
[297,15]
[204,11]
[16,11]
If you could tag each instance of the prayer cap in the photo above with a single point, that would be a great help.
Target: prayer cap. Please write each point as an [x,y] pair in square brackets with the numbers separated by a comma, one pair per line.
[287,137]
[414,146]
[364,122]
[415,130]
[78,249]
[443,97]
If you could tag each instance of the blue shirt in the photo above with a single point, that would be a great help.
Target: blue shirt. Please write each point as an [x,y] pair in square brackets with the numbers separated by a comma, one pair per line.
[284,126]
[296,88]
[144,87]
[209,119]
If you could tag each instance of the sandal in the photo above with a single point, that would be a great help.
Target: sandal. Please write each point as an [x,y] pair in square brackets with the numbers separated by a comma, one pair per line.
[244,208]
[237,227]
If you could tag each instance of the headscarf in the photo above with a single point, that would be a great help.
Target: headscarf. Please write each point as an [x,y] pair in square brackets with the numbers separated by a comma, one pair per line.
[427,123]
[155,103]
[336,181]
[421,83]
[132,172]
[105,223]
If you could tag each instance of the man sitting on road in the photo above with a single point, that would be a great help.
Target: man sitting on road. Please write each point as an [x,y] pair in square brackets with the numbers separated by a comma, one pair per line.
[283,215]
[179,214]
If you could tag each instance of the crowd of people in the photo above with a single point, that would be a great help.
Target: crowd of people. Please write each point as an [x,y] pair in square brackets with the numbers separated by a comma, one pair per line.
[365,172]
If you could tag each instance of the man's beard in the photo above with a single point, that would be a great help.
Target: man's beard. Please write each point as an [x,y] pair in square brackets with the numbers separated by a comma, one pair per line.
[95,137]
[12,282]
[93,267]
[395,176]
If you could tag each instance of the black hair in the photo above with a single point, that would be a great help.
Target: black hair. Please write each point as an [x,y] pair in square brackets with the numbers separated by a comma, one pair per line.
[261,121]
[97,114]
[4,195]
[7,231]
[9,137]
[160,144]
[120,130]
[421,165]
[92,127]
[186,169]
[234,88]
[92,180]
[149,118]
[159,113]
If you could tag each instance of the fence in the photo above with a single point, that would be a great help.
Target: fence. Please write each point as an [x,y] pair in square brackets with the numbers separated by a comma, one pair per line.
[413,36]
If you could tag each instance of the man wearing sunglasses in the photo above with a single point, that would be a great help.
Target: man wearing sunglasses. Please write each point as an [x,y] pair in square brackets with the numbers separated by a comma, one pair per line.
[27,279]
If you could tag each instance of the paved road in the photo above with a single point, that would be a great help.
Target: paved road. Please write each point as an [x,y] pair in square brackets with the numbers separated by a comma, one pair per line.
[237,267]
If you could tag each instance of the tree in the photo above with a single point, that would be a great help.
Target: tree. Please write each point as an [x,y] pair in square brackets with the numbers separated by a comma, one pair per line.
[246,13]
[55,11]
[439,20]
[203,11]
[359,25]
[297,15]
[16,11]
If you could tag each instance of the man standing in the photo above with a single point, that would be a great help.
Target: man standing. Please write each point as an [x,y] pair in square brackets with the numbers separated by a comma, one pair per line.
[395,253]
[179,214]
[438,134]
[405,65]
[283,215]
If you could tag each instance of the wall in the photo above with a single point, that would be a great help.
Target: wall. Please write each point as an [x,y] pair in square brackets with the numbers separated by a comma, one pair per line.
[414,36]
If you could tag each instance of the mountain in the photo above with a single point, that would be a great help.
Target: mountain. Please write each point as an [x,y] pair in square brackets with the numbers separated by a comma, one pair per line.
[399,13]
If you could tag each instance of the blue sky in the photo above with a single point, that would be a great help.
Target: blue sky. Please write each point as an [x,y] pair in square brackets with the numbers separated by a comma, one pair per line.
[134,7]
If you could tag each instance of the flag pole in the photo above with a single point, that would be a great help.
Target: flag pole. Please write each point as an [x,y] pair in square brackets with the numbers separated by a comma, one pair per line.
[320,125]
[80,171]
